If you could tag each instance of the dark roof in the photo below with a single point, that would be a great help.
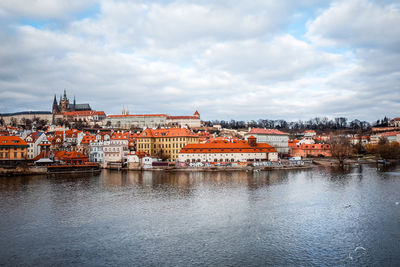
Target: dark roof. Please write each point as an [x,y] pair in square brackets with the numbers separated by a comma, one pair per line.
[79,107]
[26,113]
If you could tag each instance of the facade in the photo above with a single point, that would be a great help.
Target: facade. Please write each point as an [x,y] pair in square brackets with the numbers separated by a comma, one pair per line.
[12,150]
[89,116]
[19,117]
[395,122]
[311,150]
[165,143]
[136,121]
[390,136]
[114,151]
[36,141]
[96,151]
[279,140]
[185,121]
[228,151]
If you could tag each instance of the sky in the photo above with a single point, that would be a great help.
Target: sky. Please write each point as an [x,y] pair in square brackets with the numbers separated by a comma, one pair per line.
[241,60]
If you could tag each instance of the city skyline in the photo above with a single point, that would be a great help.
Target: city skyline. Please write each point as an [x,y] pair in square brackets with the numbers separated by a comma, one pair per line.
[242,61]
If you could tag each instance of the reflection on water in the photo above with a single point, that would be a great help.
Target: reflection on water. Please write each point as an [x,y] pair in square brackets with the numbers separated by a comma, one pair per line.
[298,217]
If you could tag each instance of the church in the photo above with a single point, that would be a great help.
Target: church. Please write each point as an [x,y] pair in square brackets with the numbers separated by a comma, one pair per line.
[64,105]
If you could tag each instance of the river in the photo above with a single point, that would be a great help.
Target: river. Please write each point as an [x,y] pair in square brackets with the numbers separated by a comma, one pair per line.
[320,217]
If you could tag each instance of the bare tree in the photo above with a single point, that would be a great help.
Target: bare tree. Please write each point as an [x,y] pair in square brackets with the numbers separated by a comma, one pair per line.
[340,148]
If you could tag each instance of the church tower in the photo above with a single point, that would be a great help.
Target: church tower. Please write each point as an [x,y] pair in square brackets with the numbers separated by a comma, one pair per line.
[55,108]
[64,102]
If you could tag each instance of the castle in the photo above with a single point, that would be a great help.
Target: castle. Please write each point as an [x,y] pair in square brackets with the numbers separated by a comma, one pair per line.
[65,106]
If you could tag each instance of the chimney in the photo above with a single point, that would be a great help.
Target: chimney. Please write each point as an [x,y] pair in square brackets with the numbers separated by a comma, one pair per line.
[252,141]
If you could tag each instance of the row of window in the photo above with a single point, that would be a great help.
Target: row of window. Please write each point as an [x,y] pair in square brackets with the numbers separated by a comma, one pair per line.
[6,154]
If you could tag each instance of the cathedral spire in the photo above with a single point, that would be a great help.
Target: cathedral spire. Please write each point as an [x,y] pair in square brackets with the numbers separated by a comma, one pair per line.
[65,94]
[74,102]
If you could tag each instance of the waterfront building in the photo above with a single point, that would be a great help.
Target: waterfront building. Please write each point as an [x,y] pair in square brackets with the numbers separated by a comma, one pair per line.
[13,150]
[96,151]
[228,151]
[311,150]
[115,150]
[36,141]
[278,139]
[165,143]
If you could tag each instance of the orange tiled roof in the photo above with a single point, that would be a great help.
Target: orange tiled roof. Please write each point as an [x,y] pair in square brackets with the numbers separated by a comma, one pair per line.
[140,115]
[240,146]
[87,139]
[12,141]
[266,131]
[66,154]
[389,134]
[84,113]
[182,117]
[196,113]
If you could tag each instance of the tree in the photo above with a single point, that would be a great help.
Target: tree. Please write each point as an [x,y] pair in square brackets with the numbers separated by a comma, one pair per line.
[340,148]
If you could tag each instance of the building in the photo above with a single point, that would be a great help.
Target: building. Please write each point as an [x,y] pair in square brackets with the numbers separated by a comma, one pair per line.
[278,139]
[136,121]
[185,121]
[228,151]
[395,122]
[64,105]
[96,151]
[129,121]
[165,143]
[13,150]
[36,141]
[114,151]
[19,118]
[390,136]
[88,116]
[311,150]
[70,157]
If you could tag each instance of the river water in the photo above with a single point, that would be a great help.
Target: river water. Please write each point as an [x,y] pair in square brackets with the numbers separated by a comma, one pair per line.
[309,217]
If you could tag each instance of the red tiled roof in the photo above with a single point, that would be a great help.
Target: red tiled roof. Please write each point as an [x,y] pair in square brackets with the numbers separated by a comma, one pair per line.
[266,131]
[196,113]
[84,113]
[87,139]
[12,141]
[389,134]
[227,147]
[141,115]
[182,118]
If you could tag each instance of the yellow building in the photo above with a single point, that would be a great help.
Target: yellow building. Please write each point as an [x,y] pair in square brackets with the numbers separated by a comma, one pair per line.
[12,149]
[165,143]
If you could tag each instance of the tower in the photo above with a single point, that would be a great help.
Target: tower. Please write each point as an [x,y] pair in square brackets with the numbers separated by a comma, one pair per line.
[55,108]
[64,102]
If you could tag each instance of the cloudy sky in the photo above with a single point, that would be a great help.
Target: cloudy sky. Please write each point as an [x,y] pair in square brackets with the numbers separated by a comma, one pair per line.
[229,59]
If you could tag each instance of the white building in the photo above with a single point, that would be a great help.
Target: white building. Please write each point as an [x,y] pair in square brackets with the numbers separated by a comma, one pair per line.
[279,140]
[114,151]
[35,140]
[225,151]
[184,121]
[96,151]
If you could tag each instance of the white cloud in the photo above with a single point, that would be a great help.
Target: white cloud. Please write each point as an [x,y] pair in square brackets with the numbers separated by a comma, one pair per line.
[357,23]
[229,60]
